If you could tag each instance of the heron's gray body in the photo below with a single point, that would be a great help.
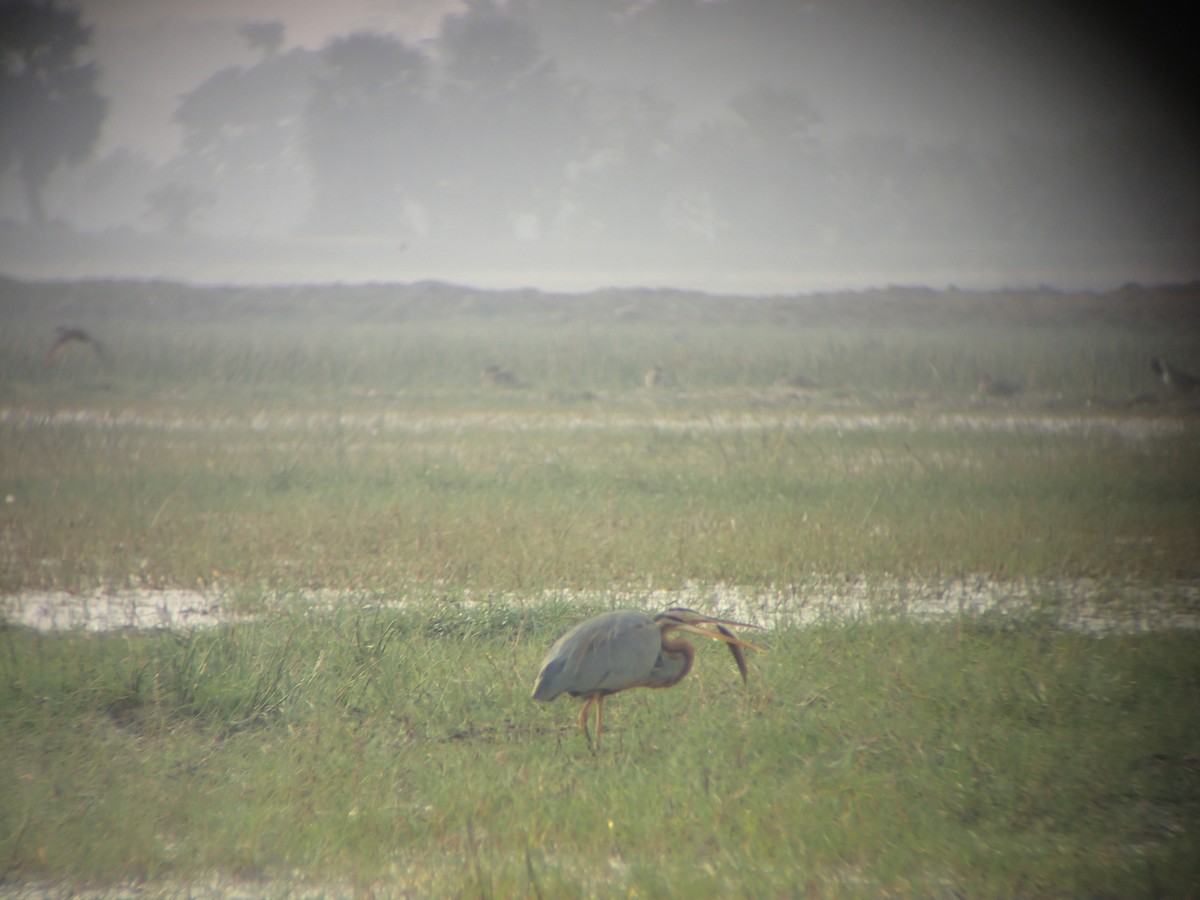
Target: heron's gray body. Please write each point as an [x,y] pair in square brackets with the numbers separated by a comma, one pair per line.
[605,654]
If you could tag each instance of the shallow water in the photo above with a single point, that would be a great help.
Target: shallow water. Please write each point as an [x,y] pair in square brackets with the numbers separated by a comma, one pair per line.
[1084,605]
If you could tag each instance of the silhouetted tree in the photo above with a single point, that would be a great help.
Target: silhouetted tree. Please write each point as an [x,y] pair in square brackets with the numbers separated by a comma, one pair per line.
[50,111]
[762,169]
[369,134]
[484,46]
[264,36]
[175,205]
[627,175]
[242,133]
[511,125]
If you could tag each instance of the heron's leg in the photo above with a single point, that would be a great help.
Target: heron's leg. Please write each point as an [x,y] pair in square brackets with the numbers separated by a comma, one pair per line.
[599,714]
[583,717]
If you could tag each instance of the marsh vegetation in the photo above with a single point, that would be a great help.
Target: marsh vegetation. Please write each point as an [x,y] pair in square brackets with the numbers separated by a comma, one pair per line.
[263,447]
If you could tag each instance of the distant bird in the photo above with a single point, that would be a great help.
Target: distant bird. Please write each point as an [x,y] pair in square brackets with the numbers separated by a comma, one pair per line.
[658,377]
[494,376]
[996,387]
[801,382]
[1173,378]
[64,336]
[625,649]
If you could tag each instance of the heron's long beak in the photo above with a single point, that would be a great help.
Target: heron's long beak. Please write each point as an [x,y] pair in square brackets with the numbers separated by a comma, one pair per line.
[735,643]
[691,617]
[721,634]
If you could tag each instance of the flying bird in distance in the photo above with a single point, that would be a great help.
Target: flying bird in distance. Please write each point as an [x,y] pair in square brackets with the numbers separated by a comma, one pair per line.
[64,337]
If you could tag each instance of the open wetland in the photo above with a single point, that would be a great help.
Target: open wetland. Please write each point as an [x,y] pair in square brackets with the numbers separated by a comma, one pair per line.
[278,569]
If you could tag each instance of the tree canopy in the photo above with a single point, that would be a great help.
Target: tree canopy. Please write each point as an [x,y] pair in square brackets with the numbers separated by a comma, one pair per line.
[50,109]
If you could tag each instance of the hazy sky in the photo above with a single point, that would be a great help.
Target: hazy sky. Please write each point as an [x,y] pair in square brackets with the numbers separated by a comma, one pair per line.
[928,114]
[152,52]
[932,69]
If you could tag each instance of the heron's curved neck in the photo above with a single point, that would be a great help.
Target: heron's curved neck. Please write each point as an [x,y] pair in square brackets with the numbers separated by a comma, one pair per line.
[680,650]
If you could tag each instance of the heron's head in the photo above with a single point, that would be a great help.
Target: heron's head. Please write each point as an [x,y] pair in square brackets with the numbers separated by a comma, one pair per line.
[684,619]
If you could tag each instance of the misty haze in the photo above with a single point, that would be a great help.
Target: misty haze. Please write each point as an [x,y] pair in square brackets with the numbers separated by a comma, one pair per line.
[733,146]
[355,354]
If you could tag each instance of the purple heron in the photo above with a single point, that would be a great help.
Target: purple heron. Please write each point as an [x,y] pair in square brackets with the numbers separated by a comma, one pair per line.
[619,650]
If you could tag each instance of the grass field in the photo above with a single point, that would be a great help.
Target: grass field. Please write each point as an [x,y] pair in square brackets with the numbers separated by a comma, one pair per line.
[399,751]
[262,448]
